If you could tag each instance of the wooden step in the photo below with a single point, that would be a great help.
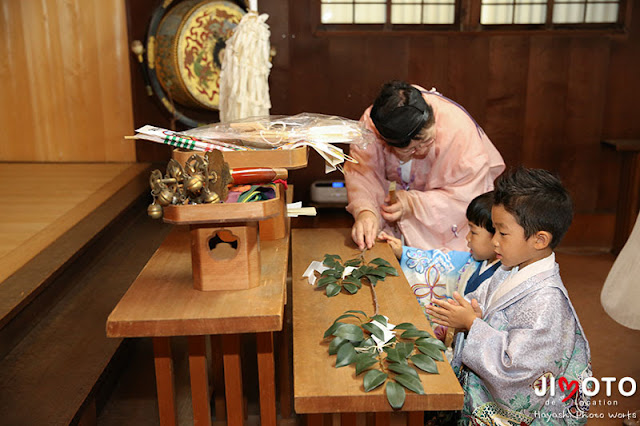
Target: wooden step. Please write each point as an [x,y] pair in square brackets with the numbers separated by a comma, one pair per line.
[56,368]
[58,211]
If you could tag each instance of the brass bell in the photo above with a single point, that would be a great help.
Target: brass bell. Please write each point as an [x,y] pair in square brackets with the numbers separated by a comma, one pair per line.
[210,197]
[165,197]
[195,184]
[154,211]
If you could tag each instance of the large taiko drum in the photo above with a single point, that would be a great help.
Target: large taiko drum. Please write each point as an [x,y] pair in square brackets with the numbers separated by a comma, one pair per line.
[189,42]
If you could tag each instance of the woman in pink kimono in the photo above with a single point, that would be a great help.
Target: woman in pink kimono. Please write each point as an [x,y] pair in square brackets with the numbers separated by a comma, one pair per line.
[438,156]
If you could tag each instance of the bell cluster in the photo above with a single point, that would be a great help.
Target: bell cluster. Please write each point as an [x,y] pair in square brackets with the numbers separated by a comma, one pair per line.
[190,184]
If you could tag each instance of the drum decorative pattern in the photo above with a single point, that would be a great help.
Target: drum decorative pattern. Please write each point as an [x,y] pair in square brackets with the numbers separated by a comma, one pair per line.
[190,41]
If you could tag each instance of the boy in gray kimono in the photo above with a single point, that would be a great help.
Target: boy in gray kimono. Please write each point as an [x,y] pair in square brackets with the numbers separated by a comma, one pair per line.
[525,355]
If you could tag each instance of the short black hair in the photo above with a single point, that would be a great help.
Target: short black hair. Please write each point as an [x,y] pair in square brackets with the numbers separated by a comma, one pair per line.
[400,113]
[479,211]
[538,201]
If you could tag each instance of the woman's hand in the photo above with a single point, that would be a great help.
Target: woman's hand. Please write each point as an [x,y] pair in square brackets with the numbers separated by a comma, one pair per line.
[394,243]
[365,229]
[391,212]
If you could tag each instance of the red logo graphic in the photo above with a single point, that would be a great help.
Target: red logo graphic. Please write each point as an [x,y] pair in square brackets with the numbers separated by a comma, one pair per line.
[573,386]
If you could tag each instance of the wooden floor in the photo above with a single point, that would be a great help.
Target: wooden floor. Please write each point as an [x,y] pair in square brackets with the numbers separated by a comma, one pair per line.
[614,351]
[44,200]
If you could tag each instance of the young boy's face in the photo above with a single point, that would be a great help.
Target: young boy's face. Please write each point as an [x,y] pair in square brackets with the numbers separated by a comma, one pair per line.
[479,243]
[509,242]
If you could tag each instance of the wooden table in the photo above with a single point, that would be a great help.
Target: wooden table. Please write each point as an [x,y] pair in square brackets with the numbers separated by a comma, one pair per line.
[162,303]
[319,387]
[628,190]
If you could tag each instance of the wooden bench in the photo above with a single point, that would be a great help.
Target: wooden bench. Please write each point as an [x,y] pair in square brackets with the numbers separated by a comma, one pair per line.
[162,303]
[321,388]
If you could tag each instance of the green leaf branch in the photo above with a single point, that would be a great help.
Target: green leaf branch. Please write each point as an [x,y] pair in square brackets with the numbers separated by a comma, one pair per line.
[393,362]
[333,279]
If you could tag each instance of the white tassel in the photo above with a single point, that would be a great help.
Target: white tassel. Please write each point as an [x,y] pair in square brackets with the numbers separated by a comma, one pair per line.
[244,74]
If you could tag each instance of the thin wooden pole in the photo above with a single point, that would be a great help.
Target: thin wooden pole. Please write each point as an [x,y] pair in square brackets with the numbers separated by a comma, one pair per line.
[165,384]
[199,380]
[267,379]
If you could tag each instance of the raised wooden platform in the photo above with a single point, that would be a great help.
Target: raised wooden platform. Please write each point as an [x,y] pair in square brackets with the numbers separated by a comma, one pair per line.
[76,237]
[52,211]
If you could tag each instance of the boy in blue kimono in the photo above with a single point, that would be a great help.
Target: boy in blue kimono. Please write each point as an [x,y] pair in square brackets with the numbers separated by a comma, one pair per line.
[483,261]
[523,335]
[438,273]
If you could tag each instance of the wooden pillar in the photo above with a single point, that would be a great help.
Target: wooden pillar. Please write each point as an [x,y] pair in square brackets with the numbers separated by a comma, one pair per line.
[233,379]
[165,384]
[415,418]
[267,379]
[199,380]
[217,368]
[383,419]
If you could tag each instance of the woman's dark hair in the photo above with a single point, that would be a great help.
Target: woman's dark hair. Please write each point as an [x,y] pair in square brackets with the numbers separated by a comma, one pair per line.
[538,201]
[479,211]
[400,113]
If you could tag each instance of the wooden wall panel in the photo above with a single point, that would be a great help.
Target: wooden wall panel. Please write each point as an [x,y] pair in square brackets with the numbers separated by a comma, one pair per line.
[428,58]
[545,102]
[544,99]
[588,68]
[65,81]
[506,95]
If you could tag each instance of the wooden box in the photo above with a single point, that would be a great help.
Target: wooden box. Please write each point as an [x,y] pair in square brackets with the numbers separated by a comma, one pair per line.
[283,158]
[225,241]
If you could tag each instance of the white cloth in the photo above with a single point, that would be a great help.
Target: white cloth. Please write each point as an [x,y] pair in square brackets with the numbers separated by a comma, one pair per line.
[244,74]
[621,290]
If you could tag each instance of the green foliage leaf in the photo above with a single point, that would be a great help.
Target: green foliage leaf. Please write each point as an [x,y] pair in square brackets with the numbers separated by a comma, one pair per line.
[365,269]
[380,318]
[333,289]
[374,329]
[380,261]
[353,280]
[378,273]
[329,331]
[335,344]
[431,351]
[393,355]
[431,341]
[324,281]
[405,326]
[414,332]
[402,368]
[372,279]
[347,316]
[404,349]
[331,273]
[395,395]
[373,379]
[411,383]
[425,363]
[331,257]
[364,361]
[346,355]
[356,274]
[353,262]
[388,270]
[351,332]
[351,288]
[352,311]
